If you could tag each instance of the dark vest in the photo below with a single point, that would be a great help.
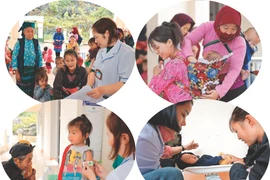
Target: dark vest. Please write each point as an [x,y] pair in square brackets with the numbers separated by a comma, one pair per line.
[21,54]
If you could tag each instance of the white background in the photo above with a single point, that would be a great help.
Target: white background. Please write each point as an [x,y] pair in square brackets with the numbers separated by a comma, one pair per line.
[135,103]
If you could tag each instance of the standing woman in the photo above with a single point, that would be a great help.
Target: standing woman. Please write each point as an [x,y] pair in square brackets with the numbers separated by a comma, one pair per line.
[114,61]
[186,24]
[221,35]
[26,58]
[123,151]
[160,129]
[251,133]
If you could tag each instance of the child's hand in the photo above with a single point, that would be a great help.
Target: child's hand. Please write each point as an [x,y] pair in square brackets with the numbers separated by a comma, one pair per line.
[18,76]
[157,70]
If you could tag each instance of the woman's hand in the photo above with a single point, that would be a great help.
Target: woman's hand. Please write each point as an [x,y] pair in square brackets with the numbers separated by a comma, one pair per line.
[191,145]
[88,173]
[18,76]
[156,70]
[212,94]
[96,92]
[100,171]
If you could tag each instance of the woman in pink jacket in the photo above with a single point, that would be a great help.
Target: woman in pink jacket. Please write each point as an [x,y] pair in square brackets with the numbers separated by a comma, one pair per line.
[221,35]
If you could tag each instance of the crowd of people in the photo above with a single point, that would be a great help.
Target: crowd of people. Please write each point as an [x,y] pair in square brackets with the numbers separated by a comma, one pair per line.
[32,65]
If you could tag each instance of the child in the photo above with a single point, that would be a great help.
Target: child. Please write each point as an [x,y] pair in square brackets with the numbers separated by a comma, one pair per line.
[43,91]
[8,55]
[172,82]
[123,151]
[252,40]
[72,43]
[78,152]
[188,159]
[93,50]
[44,53]
[71,78]
[80,59]
[48,60]
[59,64]
[58,40]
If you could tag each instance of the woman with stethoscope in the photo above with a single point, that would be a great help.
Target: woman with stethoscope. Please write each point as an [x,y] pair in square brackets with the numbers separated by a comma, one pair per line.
[114,61]
[123,151]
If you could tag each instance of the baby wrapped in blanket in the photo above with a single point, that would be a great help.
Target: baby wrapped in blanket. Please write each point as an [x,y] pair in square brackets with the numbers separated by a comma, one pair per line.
[203,74]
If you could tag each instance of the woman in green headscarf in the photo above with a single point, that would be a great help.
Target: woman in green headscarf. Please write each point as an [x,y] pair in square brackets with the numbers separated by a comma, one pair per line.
[26,58]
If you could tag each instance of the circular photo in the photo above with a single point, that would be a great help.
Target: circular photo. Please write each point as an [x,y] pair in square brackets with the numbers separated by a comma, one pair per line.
[67,139]
[70,49]
[202,139]
[199,50]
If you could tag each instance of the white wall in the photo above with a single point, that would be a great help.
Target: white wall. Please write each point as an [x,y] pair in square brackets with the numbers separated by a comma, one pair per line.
[208,125]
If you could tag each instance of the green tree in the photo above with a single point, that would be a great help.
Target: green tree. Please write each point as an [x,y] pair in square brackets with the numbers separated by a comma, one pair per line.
[24,120]
[69,13]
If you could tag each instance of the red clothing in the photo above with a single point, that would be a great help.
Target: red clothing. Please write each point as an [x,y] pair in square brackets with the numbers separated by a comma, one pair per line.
[80,61]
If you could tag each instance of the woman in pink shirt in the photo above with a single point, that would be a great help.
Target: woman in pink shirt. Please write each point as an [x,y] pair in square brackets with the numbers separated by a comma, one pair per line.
[170,82]
[224,30]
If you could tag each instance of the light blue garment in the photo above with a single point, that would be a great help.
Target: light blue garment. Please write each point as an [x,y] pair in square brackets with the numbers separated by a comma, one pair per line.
[166,173]
[43,95]
[149,148]
[29,54]
[115,66]
[122,171]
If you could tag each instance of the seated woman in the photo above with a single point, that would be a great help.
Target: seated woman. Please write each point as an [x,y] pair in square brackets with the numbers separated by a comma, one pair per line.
[188,159]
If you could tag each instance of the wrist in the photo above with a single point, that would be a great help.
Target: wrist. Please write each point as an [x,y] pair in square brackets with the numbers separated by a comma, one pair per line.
[182,148]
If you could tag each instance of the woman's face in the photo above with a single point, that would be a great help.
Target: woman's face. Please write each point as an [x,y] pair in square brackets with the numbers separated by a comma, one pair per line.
[29,33]
[164,50]
[189,158]
[110,137]
[185,28]
[228,28]
[71,62]
[182,111]
[246,131]
[101,39]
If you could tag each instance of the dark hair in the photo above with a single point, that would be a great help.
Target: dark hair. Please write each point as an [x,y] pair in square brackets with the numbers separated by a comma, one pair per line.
[238,115]
[84,124]
[41,75]
[116,126]
[58,58]
[144,61]
[120,32]
[181,164]
[168,30]
[167,117]
[45,48]
[71,52]
[91,40]
[106,24]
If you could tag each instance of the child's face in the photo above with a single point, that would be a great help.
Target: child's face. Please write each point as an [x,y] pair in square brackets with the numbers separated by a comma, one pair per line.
[212,55]
[246,131]
[144,66]
[110,137]
[93,45]
[164,50]
[60,64]
[73,40]
[71,62]
[29,33]
[42,82]
[252,38]
[184,29]
[75,136]
[189,158]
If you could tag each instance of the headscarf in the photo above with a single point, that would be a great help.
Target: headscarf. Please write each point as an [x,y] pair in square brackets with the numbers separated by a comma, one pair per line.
[58,28]
[21,148]
[75,30]
[227,15]
[26,25]
[181,19]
